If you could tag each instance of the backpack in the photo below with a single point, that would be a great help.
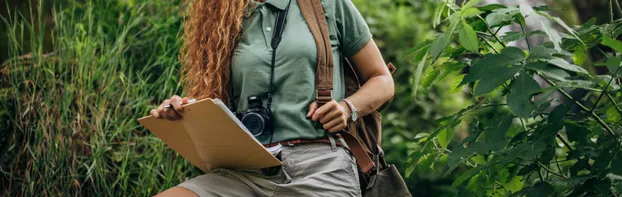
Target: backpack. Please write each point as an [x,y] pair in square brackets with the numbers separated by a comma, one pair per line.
[363,137]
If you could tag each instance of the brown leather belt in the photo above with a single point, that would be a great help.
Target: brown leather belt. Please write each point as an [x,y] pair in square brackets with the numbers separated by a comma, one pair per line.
[303,141]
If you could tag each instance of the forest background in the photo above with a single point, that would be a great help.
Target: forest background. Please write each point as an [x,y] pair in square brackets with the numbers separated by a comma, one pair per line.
[77,74]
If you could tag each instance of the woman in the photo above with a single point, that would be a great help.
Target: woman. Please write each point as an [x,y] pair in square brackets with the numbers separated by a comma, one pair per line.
[228,44]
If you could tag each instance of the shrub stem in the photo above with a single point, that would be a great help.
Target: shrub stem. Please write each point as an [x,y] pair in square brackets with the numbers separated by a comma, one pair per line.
[522,27]
[615,104]
[600,121]
[551,171]
[613,76]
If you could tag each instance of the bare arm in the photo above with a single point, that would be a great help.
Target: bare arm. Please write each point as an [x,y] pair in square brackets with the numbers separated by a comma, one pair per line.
[377,88]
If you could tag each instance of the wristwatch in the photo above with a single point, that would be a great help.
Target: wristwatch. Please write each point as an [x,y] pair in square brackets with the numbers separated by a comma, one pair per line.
[354,113]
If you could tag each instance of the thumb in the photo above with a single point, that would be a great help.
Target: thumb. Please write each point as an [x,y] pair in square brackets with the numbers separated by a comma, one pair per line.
[184,100]
[312,109]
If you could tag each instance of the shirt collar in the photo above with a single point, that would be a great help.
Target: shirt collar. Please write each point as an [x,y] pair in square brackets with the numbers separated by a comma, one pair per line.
[280,4]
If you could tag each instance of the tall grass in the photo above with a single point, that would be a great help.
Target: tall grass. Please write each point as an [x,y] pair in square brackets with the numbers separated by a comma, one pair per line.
[69,114]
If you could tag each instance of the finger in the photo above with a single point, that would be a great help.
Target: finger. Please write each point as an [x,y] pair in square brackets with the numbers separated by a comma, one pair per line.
[330,116]
[172,113]
[154,113]
[185,100]
[340,127]
[312,109]
[323,110]
[176,103]
[331,124]
[163,114]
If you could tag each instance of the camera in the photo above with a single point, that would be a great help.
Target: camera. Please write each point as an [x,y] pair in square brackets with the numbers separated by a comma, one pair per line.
[257,119]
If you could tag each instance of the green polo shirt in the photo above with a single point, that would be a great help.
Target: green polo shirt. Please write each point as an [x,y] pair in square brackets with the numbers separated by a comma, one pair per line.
[296,60]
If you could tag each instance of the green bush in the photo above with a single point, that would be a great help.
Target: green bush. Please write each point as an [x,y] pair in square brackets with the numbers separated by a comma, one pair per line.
[72,110]
[534,144]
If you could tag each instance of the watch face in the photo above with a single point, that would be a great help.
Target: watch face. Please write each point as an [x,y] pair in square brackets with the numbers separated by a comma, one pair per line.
[354,116]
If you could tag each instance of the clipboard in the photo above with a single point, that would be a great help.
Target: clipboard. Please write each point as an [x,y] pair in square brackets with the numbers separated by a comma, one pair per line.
[209,136]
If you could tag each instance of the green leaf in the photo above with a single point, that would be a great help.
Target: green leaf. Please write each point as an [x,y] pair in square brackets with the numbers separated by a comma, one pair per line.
[617,160]
[426,163]
[541,52]
[495,137]
[502,17]
[579,55]
[438,13]
[493,70]
[417,77]
[602,162]
[614,44]
[567,66]
[526,10]
[463,154]
[540,189]
[553,36]
[491,7]
[515,36]
[614,64]
[439,45]
[519,98]
[613,115]
[581,164]
[547,155]
[477,184]
[515,184]
[430,76]
[470,12]
[582,84]
[468,37]
[598,187]
[525,151]
[471,3]
[445,136]
[419,50]
[480,67]
[465,176]
[548,70]
[563,24]
[527,169]
[558,114]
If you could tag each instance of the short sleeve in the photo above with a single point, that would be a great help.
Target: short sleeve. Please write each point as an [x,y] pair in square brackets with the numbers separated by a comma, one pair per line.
[353,30]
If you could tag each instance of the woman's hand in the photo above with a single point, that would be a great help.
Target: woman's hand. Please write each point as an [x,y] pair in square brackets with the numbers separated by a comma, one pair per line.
[174,113]
[333,116]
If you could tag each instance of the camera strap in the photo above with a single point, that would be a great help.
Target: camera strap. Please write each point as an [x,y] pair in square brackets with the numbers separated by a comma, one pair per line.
[277,35]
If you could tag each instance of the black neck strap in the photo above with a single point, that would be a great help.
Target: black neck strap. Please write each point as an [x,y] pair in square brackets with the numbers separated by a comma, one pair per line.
[277,35]
[276,40]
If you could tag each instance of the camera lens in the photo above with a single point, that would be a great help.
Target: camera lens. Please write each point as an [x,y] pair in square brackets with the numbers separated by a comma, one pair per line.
[254,123]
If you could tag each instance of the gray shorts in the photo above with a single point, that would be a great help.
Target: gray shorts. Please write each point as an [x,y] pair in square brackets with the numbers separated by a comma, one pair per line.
[308,170]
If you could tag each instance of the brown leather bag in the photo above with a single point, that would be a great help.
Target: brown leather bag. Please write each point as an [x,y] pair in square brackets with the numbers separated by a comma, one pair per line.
[363,137]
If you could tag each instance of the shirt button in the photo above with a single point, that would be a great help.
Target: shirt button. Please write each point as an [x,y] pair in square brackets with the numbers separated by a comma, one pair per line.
[268,28]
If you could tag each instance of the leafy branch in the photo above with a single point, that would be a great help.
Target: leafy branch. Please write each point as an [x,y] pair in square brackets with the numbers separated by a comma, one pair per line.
[600,121]
[498,72]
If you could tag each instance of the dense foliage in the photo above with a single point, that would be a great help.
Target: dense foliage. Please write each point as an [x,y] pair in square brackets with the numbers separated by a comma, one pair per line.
[556,127]
[80,74]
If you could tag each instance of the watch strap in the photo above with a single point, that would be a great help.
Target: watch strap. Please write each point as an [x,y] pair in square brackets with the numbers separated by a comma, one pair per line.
[353,109]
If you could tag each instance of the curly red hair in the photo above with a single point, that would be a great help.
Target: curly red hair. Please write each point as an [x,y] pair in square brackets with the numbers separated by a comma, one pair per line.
[211,34]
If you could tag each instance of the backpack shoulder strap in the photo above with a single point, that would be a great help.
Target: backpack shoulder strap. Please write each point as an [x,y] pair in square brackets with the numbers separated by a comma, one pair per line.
[313,12]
